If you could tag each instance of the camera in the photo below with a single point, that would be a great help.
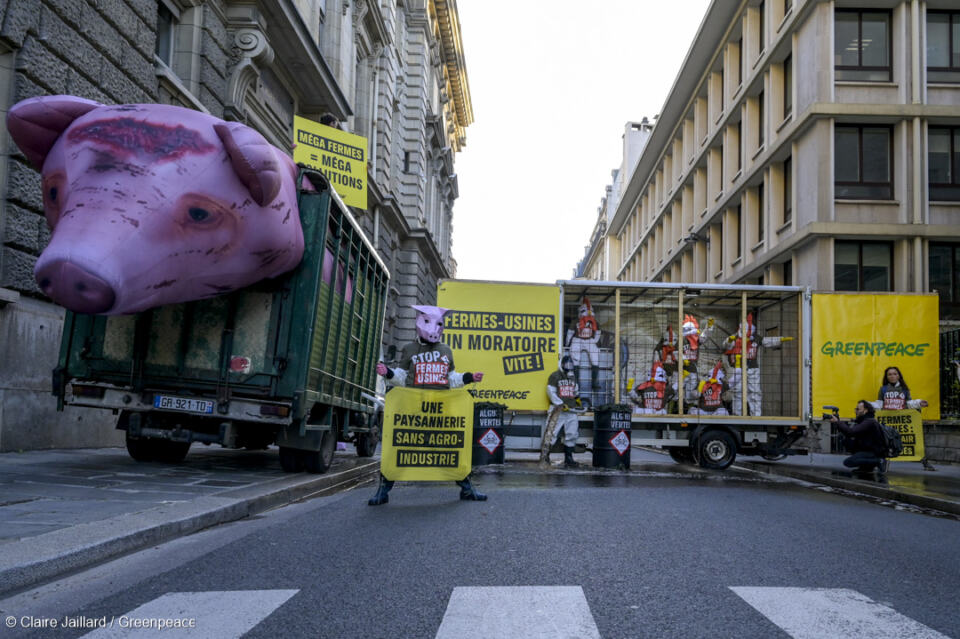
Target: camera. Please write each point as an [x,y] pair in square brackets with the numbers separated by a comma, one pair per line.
[834,412]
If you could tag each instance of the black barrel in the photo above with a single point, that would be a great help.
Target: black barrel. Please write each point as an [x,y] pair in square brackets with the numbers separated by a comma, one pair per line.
[487,433]
[611,436]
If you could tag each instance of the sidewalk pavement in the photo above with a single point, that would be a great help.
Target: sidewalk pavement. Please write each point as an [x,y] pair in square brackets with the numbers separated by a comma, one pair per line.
[64,510]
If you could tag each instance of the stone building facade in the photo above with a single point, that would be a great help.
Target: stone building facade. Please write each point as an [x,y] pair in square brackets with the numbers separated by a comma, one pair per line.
[390,70]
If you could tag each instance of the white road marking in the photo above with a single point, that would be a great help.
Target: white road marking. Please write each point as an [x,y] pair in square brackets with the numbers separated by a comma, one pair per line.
[508,612]
[214,615]
[832,613]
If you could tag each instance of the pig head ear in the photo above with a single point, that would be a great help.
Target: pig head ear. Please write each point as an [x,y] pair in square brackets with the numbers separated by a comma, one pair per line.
[254,160]
[36,123]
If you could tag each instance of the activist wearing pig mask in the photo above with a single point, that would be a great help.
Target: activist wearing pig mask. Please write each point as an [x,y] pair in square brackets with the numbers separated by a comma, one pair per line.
[427,363]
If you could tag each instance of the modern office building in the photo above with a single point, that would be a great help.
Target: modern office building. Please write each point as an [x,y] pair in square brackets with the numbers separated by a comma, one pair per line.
[805,142]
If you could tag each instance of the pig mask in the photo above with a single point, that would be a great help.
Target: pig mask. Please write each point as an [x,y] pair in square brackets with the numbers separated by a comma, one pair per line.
[152,204]
[430,323]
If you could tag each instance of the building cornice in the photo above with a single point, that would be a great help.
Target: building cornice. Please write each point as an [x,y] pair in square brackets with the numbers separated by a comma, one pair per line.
[448,21]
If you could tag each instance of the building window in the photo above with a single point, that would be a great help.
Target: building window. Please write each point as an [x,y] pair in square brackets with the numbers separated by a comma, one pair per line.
[738,236]
[166,25]
[761,29]
[943,160]
[863,162]
[788,273]
[740,71]
[739,147]
[862,46]
[863,266]
[944,266]
[788,190]
[760,122]
[943,46]
[761,214]
[788,87]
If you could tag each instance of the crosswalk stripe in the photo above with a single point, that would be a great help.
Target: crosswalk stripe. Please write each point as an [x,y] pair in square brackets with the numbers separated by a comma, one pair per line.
[532,612]
[213,615]
[832,613]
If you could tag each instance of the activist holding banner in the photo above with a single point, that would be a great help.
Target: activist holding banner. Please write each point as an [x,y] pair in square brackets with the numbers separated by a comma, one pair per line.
[894,394]
[427,364]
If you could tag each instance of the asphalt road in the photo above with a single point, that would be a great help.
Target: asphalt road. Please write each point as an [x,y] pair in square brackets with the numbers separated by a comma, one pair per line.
[671,554]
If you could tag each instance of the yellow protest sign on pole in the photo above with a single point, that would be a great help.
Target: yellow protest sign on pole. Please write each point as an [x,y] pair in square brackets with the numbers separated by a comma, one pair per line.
[340,156]
[509,332]
[910,426]
[427,435]
[856,336]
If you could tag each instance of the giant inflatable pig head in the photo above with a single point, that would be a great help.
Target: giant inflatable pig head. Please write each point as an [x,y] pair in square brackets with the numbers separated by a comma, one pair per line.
[152,204]
[430,323]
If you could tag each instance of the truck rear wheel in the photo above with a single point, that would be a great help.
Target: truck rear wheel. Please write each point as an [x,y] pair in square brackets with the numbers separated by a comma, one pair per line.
[367,442]
[169,452]
[318,461]
[681,455]
[717,450]
[140,449]
[290,460]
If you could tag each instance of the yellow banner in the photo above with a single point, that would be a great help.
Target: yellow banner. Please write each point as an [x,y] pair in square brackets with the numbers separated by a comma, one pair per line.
[856,336]
[910,425]
[427,435]
[340,156]
[507,331]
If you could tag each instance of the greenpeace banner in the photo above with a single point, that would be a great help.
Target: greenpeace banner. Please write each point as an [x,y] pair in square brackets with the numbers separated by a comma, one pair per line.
[910,426]
[427,435]
[857,335]
[340,156]
[509,332]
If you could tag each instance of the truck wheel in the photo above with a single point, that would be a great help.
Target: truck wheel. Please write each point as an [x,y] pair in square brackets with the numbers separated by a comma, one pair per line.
[717,450]
[140,449]
[170,452]
[367,442]
[290,460]
[681,455]
[318,461]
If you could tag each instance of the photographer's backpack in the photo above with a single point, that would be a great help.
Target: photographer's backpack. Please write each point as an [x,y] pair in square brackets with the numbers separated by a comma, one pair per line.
[891,440]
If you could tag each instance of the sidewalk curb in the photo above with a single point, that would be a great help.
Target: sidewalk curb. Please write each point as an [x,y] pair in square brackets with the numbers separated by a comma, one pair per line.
[874,490]
[32,560]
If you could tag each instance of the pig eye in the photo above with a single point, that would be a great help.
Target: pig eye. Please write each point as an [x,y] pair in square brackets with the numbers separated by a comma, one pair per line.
[199,215]
[52,197]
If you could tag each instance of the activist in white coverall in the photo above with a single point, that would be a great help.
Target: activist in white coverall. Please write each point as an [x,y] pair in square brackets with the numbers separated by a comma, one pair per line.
[562,389]
[735,356]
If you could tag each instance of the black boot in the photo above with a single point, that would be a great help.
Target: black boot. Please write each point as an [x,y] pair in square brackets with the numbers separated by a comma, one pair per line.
[568,461]
[381,497]
[468,492]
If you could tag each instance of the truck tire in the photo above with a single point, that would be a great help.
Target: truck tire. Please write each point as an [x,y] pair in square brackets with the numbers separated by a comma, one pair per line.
[169,452]
[140,449]
[717,449]
[318,461]
[681,455]
[367,442]
[290,460]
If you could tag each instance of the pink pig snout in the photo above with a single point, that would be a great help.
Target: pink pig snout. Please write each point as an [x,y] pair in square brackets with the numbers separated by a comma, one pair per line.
[75,288]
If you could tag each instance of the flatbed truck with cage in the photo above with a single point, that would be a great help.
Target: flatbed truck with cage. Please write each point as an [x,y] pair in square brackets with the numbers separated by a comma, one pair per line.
[288,361]
[637,320]
[641,317]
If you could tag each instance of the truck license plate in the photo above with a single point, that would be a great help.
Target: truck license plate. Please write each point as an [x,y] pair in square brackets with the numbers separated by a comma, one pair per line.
[185,404]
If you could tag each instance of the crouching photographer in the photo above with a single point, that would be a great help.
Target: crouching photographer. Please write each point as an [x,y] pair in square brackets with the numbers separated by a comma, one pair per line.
[862,439]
